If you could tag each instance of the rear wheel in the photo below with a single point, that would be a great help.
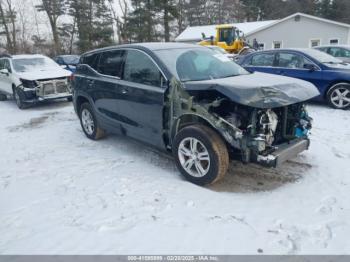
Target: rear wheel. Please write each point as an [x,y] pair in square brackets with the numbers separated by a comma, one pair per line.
[338,96]
[201,155]
[89,122]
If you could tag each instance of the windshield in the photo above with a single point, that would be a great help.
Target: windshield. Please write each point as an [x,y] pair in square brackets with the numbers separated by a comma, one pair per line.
[321,56]
[34,64]
[71,60]
[197,64]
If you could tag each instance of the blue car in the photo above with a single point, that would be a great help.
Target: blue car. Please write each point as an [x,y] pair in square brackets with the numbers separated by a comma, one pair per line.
[330,75]
[68,62]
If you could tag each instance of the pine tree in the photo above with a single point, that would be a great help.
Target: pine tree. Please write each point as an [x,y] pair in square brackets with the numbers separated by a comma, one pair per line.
[168,12]
[94,23]
[142,21]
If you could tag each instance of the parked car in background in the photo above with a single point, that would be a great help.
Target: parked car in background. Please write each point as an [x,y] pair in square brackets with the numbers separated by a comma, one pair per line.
[193,102]
[68,62]
[33,78]
[330,75]
[341,52]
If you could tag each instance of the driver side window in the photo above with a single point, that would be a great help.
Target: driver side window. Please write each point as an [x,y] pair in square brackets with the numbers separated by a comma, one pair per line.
[292,61]
[7,65]
[2,64]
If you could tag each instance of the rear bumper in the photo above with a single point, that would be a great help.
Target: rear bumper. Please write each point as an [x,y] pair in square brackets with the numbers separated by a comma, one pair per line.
[284,152]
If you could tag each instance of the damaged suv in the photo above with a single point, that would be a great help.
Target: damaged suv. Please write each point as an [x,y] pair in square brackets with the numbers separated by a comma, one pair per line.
[195,103]
[33,78]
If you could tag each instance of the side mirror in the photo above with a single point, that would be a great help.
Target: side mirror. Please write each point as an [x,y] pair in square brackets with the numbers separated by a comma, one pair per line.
[310,67]
[5,71]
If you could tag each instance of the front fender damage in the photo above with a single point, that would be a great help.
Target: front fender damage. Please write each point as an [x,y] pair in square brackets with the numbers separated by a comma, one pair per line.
[181,104]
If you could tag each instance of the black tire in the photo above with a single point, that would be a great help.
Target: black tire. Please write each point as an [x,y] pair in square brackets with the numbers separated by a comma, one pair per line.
[333,95]
[3,97]
[97,132]
[19,98]
[70,99]
[215,147]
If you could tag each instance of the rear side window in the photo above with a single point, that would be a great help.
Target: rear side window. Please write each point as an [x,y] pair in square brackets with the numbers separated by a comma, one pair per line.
[139,68]
[91,60]
[111,63]
[263,60]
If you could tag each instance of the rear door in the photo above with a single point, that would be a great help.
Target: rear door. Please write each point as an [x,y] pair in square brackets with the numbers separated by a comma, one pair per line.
[261,62]
[104,86]
[141,98]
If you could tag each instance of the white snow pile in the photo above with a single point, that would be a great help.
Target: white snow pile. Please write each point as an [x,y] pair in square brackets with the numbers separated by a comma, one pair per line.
[61,193]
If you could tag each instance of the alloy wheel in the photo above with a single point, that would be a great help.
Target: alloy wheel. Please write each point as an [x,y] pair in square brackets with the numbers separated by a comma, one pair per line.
[194,157]
[87,121]
[340,97]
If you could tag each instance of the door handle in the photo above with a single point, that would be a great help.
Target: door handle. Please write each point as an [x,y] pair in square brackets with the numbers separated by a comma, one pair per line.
[125,91]
[280,72]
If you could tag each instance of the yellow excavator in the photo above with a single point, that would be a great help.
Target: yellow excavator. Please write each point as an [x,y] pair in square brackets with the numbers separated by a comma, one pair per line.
[227,37]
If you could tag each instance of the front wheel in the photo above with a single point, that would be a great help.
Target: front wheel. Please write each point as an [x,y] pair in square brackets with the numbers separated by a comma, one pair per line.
[19,98]
[201,155]
[338,96]
[89,122]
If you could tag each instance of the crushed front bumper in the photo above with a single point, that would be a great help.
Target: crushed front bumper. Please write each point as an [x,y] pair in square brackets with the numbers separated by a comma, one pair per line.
[46,90]
[284,152]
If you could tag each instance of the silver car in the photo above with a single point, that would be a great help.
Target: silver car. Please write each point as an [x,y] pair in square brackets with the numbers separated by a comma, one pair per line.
[341,52]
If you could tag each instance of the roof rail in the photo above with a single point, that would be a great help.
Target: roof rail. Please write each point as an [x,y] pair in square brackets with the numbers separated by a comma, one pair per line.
[5,56]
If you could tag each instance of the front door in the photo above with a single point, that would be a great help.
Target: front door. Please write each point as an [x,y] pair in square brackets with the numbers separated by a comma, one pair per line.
[293,65]
[141,98]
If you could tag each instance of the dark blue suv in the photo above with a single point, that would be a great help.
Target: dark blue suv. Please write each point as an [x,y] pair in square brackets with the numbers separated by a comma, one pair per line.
[330,75]
[195,103]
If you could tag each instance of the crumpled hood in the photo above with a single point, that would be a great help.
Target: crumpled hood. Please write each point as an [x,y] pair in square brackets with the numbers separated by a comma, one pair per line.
[44,74]
[259,90]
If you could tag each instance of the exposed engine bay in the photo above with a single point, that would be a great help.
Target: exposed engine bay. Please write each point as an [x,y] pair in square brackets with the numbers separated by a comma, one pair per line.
[262,135]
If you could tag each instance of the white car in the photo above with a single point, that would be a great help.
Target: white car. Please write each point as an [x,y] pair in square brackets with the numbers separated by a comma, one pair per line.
[33,78]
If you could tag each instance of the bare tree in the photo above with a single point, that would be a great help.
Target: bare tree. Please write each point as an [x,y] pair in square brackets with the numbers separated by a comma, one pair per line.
[8,22]
[54,9]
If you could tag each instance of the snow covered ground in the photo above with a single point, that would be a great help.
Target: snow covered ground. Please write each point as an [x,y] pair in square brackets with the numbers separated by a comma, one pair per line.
[63,194]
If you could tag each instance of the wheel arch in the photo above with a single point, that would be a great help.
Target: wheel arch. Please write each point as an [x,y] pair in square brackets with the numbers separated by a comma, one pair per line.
[333,84]
[189,119]
[79,101]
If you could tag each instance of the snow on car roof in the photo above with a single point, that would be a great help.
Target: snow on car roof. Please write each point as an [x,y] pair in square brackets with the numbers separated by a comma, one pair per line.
[194,33]
[27,56]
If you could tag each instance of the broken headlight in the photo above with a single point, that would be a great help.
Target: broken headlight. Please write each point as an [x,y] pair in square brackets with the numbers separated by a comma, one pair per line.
[29,83]
[267,125]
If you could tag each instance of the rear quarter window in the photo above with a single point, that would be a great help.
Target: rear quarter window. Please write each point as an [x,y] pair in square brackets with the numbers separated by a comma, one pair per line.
[91,60]
[111,63]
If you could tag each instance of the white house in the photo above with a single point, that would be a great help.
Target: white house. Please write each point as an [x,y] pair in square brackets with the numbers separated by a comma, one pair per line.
[298,30]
